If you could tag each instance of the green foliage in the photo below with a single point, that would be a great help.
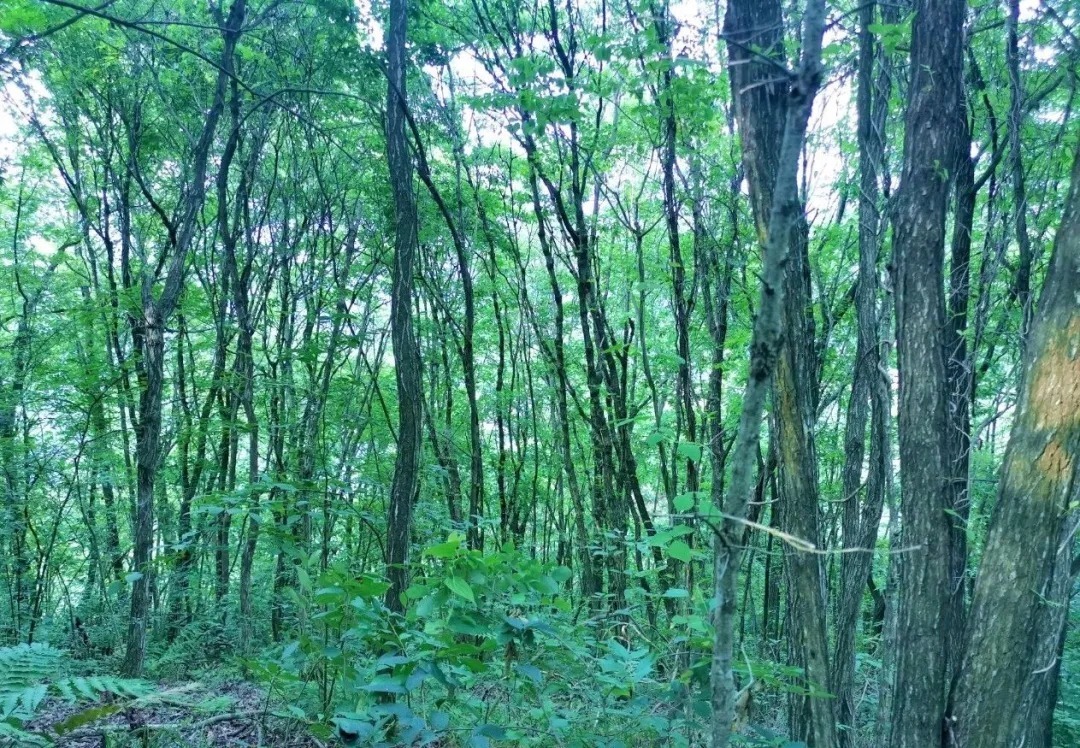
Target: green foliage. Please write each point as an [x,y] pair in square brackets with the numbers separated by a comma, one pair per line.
[269,528]
[489,652]
[29,674]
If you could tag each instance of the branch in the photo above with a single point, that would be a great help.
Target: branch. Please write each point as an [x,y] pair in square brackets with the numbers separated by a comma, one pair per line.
[91,732]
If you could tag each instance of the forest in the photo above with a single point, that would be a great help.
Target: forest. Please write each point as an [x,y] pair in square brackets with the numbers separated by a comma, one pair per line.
[559,373]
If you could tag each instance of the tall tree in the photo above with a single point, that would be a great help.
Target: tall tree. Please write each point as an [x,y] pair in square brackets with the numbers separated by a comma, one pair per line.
[149,340]
[403,336]
[930,135]
[1038,482]
[870,396]
[784,212]
[760,91]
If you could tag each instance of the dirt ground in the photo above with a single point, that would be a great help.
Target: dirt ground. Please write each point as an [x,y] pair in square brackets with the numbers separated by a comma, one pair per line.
[190,714]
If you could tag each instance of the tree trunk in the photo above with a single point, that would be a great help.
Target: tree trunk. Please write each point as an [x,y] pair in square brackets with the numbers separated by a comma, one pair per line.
[1035,728]
[403,338]
[149,335]
[1042,465]
[765,350]
[861,518]
[761,110]
[919,246]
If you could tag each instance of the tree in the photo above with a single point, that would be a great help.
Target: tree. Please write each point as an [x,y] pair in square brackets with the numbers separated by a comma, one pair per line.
[762,104]
[930,134]
[1038,482]
[766,350]
[406,350]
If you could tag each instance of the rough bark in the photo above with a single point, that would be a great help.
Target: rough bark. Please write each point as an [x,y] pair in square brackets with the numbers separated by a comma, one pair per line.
[919,247]
[765,349]
[1035,727]
[403,337]
[1042,465]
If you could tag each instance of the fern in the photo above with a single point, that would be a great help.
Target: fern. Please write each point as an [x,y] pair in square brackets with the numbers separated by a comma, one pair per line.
[30,673]
[28,665]
[10,735]
[94,687]
[24,673]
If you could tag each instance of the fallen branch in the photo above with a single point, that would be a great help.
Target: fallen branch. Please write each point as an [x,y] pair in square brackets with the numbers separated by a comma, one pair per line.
[113,729]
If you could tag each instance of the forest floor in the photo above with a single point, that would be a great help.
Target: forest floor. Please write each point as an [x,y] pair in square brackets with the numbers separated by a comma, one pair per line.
[235,713]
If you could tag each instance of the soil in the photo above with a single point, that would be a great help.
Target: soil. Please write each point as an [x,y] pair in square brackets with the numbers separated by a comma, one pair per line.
[229,714]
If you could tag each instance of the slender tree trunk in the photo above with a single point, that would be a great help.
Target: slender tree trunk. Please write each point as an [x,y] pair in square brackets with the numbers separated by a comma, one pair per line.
[591,577]
[403,338]
[149,334]
[960,382]
[761,110]
[765,350]
[1017,104]
[684,388]
[861,518]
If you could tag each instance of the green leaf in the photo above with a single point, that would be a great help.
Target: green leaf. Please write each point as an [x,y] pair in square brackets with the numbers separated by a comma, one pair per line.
[684,502]
[531,672]
[461,588]
[303,577]
[676,593]
[679,551]
[492,731]
[448,549]
[385,684]
[689,450]
[561,574]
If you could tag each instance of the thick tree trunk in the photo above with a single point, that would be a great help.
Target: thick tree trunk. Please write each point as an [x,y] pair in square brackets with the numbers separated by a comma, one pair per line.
[919,246]
[1042,465]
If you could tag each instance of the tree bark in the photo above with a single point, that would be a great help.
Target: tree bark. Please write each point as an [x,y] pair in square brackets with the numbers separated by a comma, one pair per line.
[403,338]
[1042,465]
[919,246]
[765,350]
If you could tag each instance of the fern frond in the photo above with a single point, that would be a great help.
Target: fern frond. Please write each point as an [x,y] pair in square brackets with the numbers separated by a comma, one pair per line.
[13,736]
[94,687]
[28,673]
[27,665]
